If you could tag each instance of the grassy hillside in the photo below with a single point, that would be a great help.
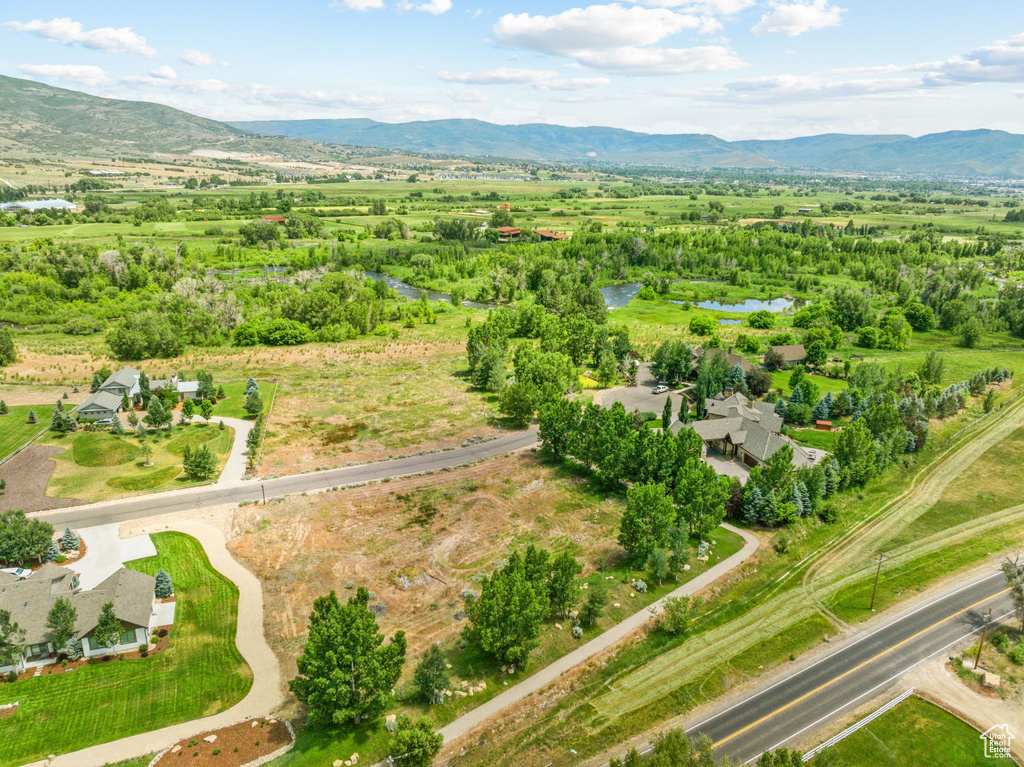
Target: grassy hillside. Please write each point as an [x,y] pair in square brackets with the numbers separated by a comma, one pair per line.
[38,119]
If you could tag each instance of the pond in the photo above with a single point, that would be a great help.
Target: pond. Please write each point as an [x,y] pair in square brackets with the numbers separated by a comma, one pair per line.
[265,269]
[617,296]
[413,293]
[748,306]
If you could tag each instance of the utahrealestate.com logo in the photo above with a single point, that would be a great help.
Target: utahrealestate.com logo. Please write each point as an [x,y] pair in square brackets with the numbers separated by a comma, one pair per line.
[997,741]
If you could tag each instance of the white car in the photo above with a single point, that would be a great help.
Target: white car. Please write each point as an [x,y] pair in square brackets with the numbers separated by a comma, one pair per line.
[19,571]
[659,389]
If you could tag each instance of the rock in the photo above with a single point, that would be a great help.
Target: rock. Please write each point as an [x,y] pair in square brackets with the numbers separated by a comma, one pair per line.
[616,604]
[460,694]
[558,626]
[210,738]
[483,685]
[609,577]
[354,758]
[338,763]
[686,567]
[632,594]
[391,718]
[255,723]
[448,665]
[176,749]
[574,614]
[504,669]
[988,679]
[463,684]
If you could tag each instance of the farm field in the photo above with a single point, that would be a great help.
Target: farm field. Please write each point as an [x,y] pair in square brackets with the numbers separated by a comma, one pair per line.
[417,544]
[914,733]
[201,672]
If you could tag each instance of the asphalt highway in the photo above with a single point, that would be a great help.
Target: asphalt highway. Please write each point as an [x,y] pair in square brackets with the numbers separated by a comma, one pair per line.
[779,712]
[207,496]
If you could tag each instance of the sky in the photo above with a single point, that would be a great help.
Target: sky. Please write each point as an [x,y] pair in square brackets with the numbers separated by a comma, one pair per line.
[738,69]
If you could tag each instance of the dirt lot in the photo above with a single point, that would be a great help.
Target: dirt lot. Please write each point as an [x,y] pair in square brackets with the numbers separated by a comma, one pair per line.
[416,544]
[27,475]
[235,745]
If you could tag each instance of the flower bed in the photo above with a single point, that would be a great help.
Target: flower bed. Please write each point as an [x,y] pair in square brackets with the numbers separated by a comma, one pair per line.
[245,744]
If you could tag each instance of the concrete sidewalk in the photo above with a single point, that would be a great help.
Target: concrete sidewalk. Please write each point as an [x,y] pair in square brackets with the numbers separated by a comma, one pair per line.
[545,676]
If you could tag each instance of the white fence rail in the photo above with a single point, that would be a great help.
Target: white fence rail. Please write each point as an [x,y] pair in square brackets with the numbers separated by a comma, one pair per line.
[857,725]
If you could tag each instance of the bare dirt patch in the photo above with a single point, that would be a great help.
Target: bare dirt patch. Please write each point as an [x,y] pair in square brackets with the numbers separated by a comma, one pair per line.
[234,745]
[27,475]
[416,543]
[41,394]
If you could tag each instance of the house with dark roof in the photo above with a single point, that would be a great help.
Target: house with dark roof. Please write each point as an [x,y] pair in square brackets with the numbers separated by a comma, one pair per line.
[108,400]
[29,599]
[731,359]
[792,355]
[546,235]
[746,430]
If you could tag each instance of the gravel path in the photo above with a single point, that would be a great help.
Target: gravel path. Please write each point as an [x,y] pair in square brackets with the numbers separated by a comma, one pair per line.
[262,698]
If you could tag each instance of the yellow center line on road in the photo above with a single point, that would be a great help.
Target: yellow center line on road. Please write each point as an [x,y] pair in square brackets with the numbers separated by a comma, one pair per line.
[859,666]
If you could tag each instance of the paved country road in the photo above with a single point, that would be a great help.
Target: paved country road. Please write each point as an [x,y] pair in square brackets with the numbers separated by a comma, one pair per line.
[787,708]
[234,492]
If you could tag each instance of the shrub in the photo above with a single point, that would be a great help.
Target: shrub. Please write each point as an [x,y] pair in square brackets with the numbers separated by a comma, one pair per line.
[1017,654]
[702,325]
[762,320]
[577,631]
[638,586]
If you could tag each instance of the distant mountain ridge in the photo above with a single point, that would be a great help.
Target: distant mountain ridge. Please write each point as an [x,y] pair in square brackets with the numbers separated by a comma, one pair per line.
[975,152]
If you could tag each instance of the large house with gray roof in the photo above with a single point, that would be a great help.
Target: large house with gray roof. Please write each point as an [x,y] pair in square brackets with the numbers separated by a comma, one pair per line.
[107,401]
[747,430]
[29,599]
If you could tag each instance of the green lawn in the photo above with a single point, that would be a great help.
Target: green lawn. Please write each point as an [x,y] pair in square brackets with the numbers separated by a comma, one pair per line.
[15,430]
[97,464]
[200,674]
[314,748]
[233,406]
[780,380]
[822,440]
[916,734]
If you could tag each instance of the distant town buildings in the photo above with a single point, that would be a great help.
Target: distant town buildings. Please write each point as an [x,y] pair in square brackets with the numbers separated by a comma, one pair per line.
[31,206]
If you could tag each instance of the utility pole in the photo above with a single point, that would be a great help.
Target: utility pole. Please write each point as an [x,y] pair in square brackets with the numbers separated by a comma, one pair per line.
[264,489]
[981,644]
[878,572]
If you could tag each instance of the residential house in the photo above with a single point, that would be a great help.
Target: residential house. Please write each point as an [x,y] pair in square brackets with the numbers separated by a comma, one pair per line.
[508,232]
[792,355]
[546,235]
[749,431]
[279,220]
[108,400]
[28,600]
[732,359]
[185,389]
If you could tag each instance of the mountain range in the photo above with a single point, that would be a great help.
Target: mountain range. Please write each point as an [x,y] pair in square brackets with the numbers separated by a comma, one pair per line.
[42,120]
[976,152]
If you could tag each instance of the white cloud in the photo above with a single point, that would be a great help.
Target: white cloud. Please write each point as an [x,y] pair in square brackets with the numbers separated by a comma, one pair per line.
[468,96]
[201,59]
[358,5]
[540,79]
[618,39]
[709,7]
[166,77]
[436,7]
[799,87]
[84,74]
[68,32]
[1002,62]
[794,19]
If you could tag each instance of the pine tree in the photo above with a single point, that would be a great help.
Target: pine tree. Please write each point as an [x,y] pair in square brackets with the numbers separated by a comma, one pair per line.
[798,501]
[346,672]
[431,675]
[52,552]
[666,413]
[4,410]
[797,397]
[97,382]
[164,587]
[251,386]
[69,541]
[116,427]
[753,504]
[108,627]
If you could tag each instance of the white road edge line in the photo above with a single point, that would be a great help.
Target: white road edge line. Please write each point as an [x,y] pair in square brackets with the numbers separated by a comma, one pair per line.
[844,648]
[882,684]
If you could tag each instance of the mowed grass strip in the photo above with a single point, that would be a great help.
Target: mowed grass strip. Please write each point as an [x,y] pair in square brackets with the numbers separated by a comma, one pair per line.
[94,449]
[233,405]
[201,672]
[916,734]
[15,430]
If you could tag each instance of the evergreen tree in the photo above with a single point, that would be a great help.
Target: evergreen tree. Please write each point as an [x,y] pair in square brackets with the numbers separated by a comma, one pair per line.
[108,627]
[97,382]
[251,386]
[431,675]
[4,410]
[145,393]
[32,418]
[116,427]
[61,622]
[346,673]
[164,587]
[12,640]
[52,552]
[253,404]
[69,541]
[666,413]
